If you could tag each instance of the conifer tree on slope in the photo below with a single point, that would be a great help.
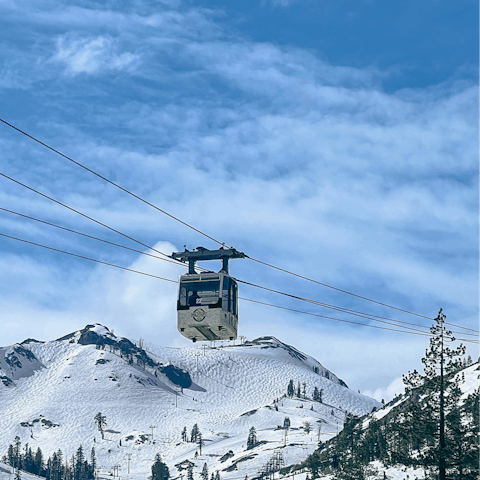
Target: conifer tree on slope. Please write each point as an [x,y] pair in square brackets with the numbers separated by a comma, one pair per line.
[204,473]
[100,421]
[438,395]
[160,470]
[194,433]
[93,462]
[290,389]
[39,465]
[200,441]
[252,438]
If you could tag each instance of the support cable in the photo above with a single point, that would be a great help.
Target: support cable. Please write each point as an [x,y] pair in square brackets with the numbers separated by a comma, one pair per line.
[86,216]
[198,230]
[111,183]
[249,300]
[325,305]
[90,236]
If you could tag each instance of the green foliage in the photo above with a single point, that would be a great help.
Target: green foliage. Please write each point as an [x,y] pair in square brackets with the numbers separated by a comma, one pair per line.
[290,389]
[159,469]
[204,473]
[411,433]
[100,421]
[252,438]
[194,433]
[55,468]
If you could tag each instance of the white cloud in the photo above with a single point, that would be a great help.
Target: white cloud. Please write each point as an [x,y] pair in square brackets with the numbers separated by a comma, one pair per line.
[93,55]
[304,164]
[278,3]
[396,387]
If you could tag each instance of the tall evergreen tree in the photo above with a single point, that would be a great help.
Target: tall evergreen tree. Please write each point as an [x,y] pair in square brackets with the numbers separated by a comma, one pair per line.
[200,441]
[190,472]
[160,469]
[290,388]
[79,469]
[194,433]
[38,463]
[17,453]
[204,473]
[252,438]
[184,434]
[100,421]
[93,464]
[438,392]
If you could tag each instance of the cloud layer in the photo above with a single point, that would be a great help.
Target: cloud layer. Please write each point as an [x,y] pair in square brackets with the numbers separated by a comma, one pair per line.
[301,163]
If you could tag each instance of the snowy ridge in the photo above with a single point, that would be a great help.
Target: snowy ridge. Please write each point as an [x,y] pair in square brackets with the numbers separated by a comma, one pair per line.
[17,362]
[231,389]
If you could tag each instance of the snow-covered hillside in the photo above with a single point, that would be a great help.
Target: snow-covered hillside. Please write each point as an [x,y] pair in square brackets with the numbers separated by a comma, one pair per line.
[51,391]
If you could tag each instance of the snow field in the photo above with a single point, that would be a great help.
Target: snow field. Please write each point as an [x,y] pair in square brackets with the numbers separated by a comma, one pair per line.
[74,386]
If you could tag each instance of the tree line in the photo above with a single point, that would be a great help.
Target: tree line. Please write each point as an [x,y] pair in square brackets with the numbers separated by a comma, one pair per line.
[434,426]
[300,391]
[55,467]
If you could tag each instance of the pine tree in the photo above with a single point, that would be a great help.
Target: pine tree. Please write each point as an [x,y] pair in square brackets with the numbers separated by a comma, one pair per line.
[465,452]
[304,389]
[184,434]
[200,441]
[38,463]
[18,475]
[204,473]
[194,433]
[17,453]
[190,472]
[93,463]
[307,427]
[217,476]
[10,456]
[439,396]
[100,421]
[298,391]
[160,470]
[79,472]
[290,389]
[27,459]
[252,438]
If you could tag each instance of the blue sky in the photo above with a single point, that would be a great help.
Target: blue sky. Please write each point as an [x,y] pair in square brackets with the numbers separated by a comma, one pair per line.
[335,139]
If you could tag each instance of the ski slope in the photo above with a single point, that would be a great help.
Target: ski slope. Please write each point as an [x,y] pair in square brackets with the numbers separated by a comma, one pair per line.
[55,389]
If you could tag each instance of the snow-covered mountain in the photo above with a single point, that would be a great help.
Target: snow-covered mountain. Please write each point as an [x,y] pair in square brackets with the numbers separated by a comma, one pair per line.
[51,391]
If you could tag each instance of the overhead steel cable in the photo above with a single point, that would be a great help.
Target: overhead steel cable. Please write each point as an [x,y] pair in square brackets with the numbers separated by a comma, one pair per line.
[88,217]
[348,321]
[198,230]
[367,316]
[341,309]
[337,289]
[110,182]
[87,258]
[90,236]
[242,298]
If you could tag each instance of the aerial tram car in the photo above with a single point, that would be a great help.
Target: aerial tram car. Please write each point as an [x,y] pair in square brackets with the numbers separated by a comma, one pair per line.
[207,306]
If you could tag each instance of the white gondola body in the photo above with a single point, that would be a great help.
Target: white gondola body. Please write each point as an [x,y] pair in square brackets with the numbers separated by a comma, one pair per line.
[207,307]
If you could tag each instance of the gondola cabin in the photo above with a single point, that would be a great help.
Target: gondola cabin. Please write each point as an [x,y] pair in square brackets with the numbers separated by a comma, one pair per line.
[207,306]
